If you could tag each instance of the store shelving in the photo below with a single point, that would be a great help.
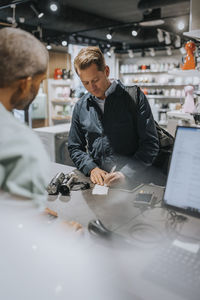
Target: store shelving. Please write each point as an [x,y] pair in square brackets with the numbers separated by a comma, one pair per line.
[60,102]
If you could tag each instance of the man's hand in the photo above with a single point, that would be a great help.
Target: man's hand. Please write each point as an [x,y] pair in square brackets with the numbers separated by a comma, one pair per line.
[97,176]
[114,178]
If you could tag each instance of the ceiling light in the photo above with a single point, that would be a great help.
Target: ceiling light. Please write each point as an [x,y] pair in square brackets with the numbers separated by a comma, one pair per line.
[64,43]
[160,35]
[53,6]
[38,13]
[167,38]
[108,53]
[152,52]
[169,50]
[134,33]
[181,25]
[21,19]
[49,46]
[109,36]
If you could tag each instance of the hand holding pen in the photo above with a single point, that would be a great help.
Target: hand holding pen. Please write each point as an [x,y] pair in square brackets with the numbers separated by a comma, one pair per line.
[113,177]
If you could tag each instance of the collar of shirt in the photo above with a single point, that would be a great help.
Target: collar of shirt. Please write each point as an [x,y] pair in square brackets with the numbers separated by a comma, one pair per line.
[109,91]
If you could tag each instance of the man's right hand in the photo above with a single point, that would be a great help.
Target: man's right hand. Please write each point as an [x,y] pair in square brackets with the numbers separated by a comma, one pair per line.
[97,176]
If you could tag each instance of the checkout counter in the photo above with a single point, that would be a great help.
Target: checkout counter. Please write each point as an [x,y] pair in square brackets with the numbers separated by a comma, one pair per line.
[142,258]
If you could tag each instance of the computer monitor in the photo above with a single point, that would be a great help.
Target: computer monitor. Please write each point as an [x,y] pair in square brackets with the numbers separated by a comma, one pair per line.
[183,182]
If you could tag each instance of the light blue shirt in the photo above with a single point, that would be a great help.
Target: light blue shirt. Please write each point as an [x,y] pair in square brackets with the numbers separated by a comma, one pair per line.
[109,91]
[24,162]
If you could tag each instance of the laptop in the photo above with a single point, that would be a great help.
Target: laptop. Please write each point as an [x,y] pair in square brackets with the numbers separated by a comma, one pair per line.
[183,182]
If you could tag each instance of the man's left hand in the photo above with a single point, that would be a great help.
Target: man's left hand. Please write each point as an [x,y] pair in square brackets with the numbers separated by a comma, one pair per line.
[114,178]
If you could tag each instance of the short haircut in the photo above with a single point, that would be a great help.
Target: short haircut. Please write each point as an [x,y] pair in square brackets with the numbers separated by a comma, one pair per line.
[21,56]
[88,56]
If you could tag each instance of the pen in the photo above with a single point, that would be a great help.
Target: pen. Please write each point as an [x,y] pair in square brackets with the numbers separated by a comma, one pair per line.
[113,169]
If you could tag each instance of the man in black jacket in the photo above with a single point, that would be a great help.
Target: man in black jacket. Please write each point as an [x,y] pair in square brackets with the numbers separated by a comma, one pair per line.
[107,141]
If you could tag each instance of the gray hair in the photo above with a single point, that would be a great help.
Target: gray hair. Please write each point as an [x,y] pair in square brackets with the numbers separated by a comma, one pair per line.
[21,56]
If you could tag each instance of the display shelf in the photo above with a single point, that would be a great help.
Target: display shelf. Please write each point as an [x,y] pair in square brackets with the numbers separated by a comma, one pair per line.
[162,97]
[194,34]
[60,82]
[184,73]
[160,84]
[143,72]
[60,102]
[60,118]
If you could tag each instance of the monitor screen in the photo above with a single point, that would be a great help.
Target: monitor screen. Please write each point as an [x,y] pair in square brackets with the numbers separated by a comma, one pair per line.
[183,183]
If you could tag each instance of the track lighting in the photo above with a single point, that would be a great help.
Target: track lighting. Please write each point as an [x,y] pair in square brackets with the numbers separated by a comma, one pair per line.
[48,46]
[109,36]
[134,33]
[54,6]
[36,11]
[64,43]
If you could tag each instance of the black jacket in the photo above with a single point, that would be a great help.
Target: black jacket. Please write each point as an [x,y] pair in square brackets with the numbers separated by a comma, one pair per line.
[113,137]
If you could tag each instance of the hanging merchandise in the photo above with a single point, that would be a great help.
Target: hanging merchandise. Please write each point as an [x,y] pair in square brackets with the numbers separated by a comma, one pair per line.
[189,62]
[189,106]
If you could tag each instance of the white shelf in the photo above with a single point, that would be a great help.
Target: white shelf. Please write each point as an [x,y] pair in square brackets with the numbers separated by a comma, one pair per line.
[61,118]
[54,100]
[62,102]
[158,84]
[162,97]
[185,73]
[142,72]
[195,34]
[60,82]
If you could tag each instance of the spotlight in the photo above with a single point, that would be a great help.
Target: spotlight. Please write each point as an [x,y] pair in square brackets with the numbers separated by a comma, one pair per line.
[169,50]
[48,46]
[53,6]
[134,33]
[160,35]
[130,53]
[167,38]
[152,52]
[109,36]
[108,53]
[181,25]
[36,11]
[64,43]
[177,42]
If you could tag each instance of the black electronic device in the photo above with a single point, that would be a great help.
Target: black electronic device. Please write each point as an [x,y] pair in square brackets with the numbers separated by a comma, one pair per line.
[96,227]
[55,183]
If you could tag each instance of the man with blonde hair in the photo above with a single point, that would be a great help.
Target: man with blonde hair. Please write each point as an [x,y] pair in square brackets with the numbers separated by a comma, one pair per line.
[109,140]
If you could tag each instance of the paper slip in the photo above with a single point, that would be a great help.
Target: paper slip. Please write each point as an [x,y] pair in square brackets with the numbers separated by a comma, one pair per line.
[194,248]
[100,190]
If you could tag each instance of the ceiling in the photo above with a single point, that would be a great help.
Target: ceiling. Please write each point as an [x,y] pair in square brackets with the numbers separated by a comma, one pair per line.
[88,21]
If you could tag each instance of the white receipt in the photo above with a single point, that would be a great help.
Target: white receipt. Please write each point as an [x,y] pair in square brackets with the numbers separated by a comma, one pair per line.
[100,190]
[194,248]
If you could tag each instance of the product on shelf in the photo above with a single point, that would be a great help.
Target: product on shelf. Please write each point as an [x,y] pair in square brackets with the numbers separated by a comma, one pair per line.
[189,62]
